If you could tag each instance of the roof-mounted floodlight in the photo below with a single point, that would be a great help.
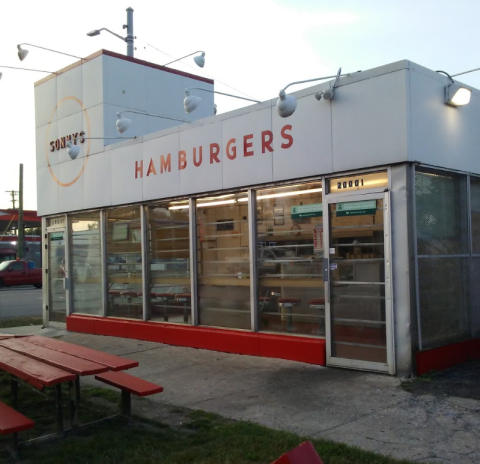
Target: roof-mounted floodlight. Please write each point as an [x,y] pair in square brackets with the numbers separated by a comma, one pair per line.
[124,123]
[328,94]
[456,94]
[199,59]
[287,104]
[73,149]
[22,52]
[191,102]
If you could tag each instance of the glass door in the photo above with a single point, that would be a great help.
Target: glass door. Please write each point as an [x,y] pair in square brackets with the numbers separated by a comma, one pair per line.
[359,303]
[57,273]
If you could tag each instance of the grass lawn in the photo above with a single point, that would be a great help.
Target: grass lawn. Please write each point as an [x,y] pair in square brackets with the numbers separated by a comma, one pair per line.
[200,437]
[20,321]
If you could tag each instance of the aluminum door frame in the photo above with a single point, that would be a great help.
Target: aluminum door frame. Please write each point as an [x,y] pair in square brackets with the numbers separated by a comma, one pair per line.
[389,367]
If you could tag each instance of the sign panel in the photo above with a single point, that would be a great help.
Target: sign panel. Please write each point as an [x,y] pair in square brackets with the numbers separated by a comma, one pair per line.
[356,208]
[359,182]
[306,211]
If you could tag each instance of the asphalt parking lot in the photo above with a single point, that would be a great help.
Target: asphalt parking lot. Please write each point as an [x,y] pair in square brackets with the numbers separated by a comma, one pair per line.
[20,301]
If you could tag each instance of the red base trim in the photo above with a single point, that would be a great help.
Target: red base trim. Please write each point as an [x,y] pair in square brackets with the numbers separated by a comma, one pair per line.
[303,349]
[447,356]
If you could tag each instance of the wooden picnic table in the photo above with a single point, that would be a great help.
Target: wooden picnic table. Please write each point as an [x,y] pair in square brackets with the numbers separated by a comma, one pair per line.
[44,362]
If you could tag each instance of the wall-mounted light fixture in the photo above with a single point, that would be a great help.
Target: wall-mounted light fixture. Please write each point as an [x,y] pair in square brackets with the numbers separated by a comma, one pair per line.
[124,123]
[73,149]
[199,59]
[191,102]
[287,104]
[129,38]
[26,69]
[456,94]
[23,52]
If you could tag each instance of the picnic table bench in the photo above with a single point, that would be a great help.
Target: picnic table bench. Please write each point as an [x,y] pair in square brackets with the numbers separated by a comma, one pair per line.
[129,384]
[12,421]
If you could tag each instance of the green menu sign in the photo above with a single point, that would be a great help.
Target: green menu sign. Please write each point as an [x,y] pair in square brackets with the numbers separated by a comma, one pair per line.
[356,208]
[306,211]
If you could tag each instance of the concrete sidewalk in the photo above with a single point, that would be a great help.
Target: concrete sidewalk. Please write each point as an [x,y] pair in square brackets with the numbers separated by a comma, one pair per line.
[362,409]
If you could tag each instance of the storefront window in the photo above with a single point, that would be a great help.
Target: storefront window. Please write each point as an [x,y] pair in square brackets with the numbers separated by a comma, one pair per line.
[223,261]
[124,262]
[289,259]
[169,261]
[86,264]
[442,244]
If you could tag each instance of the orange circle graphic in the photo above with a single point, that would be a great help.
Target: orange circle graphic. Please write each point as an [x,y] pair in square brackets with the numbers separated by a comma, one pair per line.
[67,184]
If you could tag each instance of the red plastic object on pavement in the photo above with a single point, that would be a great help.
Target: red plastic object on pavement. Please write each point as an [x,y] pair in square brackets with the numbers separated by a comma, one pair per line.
[303,454]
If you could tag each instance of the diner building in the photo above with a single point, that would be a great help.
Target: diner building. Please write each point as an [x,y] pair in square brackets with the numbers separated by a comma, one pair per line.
[346,234]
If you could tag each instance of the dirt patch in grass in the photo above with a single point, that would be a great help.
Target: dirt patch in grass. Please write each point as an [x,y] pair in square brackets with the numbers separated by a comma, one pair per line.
[462,381]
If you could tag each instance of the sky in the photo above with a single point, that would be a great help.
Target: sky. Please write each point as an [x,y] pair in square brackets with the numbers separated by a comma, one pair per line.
[253,49]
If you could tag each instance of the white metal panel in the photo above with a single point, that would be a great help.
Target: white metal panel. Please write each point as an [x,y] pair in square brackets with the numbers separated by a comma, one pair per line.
[369,122]
[311,152]
[158,184]
[442,135]
[70,198]
[165,95]
[45,102]
[47,191]
[125,83]
[246,131]
[44,155]
[92,76]
[69,84]
[122,171]
[207,176]
[94,128]
[97,173]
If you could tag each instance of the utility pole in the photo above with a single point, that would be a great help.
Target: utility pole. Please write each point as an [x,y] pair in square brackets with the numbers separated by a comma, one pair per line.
[12,193]
[21,230]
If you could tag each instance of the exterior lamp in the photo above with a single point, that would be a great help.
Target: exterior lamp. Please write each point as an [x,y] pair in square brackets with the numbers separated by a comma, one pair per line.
[199,60]
[191,102]
[456,94]
[287,104]
[73,149]
[124,123]
[22,52]
[129,27]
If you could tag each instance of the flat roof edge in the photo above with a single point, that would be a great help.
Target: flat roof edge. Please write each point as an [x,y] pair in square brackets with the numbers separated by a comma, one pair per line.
[125,58]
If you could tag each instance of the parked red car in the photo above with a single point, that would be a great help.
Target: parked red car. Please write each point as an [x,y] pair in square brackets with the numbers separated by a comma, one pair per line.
[19,272]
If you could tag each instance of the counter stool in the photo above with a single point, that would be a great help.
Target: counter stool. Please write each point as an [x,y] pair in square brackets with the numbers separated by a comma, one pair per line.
[319,303]
[286,305]
[165,298]
[111,297]
[129,294]
[185,299]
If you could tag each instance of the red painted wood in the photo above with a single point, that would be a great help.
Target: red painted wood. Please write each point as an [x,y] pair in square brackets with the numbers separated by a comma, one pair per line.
[302,454]
[447,356]
[58,359]
[304,349]
[113,362]
[32,371]
[12,421]
[129,383]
